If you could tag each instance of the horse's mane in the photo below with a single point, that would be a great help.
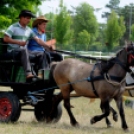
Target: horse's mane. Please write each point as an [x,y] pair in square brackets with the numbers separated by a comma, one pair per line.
[118,52]
[106,65]
[128,46]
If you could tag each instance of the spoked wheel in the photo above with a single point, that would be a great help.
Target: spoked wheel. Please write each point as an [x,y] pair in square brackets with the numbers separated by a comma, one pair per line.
[9,107]
[41,112]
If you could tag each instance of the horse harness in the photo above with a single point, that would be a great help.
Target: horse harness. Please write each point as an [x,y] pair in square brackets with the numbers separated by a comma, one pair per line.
[93,78]
[104,74]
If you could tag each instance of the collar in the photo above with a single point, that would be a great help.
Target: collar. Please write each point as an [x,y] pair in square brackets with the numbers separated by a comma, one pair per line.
[36,31]
[22,26]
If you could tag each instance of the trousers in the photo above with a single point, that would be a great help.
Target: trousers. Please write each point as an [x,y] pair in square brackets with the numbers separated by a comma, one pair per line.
[22,55]
[40,58]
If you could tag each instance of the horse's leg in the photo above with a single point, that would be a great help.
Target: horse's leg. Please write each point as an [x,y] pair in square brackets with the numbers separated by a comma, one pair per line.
[105,105]
[119,102]
[55,101]
[115,115]
[106,119]
[68,108]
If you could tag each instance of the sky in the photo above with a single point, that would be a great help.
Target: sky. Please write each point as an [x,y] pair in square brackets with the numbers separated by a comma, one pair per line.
[51,5]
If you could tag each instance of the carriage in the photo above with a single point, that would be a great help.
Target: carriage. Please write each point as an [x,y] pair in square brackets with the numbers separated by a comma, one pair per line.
[45,101]
[20,95]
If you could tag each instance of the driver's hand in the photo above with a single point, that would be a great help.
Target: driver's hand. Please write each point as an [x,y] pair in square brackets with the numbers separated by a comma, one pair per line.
[52,47]
[22,43]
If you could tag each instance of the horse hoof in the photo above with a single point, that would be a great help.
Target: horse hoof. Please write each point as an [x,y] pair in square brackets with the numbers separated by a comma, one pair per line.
[115,117]
[126,130]
[71,106]
[75,124]
[48,120]
[92,121]
[109,125]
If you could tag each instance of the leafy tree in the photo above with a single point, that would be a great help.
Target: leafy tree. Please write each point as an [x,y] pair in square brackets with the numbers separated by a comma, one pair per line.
[114,31]
[127,12]
[132,33]
[100,40]
[83,39]
[9,10]
[113,5]
[62,23]
[85,20]
[50,25]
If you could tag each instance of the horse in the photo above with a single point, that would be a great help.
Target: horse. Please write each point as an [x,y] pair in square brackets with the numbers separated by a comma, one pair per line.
[104,80]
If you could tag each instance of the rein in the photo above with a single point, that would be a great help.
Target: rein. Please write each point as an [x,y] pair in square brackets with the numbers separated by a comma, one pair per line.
[54,87]
[91,78]
[117,61]
[105,76]
[80,56]
[125,67]
[108,79]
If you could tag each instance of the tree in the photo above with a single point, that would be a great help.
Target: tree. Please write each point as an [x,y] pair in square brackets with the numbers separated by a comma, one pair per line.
[114,31]
[9,10]
[132,33]
[50,25]
[100,40]
[113,5]
[62,23]
[85,20]
[127,12]
[83,39]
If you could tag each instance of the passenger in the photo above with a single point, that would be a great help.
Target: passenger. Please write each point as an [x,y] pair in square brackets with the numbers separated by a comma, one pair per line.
[39,27]
[17,36]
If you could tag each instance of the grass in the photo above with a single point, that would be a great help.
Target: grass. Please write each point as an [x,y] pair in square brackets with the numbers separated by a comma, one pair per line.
[83,111]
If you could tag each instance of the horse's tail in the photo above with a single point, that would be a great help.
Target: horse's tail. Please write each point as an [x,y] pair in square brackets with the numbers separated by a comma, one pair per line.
[53,65]
[51,78]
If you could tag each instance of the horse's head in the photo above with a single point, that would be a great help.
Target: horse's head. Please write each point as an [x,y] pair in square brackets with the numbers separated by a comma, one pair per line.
[130,54]
[124,57]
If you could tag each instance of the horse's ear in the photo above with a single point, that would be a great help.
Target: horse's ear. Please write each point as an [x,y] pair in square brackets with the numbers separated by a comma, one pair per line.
[130,47]
[132,44]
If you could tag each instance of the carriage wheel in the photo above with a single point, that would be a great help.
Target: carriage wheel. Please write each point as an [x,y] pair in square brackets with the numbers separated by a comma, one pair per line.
[9,107]
[41,113]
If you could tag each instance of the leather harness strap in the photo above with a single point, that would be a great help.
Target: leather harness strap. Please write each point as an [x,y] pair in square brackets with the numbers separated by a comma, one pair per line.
[91,78]
[92,81]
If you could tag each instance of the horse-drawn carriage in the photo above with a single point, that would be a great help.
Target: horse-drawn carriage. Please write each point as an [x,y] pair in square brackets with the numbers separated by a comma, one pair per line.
[104,80]
[20,93]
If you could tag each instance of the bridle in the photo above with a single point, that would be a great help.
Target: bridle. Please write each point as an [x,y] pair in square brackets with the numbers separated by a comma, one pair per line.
[129,58]
[130,55]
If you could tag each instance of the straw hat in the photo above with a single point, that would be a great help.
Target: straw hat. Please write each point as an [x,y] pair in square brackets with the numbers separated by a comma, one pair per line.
[38,20]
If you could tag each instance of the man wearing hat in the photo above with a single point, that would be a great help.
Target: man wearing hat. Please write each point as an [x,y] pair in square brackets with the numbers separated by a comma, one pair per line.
[17,36]
[39,27]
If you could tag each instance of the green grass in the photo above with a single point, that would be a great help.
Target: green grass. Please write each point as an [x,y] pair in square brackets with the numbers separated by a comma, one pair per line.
[83,111]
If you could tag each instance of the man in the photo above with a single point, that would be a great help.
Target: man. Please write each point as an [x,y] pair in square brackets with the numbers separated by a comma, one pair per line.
[17,36]
[39,27]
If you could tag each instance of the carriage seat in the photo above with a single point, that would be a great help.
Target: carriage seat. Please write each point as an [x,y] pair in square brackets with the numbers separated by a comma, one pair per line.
[3,51]
[9,67]
[9,61]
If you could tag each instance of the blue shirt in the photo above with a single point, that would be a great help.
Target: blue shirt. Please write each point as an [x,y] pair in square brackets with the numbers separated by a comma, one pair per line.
[33,45]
